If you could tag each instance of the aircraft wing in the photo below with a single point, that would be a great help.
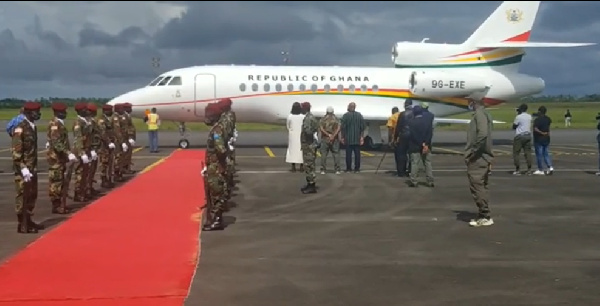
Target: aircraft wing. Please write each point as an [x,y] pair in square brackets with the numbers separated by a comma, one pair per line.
[459,121]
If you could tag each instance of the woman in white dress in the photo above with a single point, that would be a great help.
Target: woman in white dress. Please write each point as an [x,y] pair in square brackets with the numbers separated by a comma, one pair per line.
[294,126]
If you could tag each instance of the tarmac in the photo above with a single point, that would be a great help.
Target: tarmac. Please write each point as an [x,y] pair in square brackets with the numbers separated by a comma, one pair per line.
[368,239]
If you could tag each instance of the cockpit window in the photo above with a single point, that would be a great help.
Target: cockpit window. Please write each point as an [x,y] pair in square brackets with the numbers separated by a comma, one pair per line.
[175,81]
[164,81]
[155,81]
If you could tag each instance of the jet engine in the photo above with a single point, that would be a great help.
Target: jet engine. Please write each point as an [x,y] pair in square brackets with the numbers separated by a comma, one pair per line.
[444,84]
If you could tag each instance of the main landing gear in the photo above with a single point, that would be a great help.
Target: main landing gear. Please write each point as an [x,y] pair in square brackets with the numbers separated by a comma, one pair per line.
[183,142]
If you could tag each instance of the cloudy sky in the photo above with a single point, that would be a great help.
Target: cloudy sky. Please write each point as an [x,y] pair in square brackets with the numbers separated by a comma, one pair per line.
[101,49]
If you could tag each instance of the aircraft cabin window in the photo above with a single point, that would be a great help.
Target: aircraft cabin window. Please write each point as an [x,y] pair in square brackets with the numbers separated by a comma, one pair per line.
[254,87]
[364,88]
[242,87]
[314,87]
[302,87]
[327,88]
[352,88]
[340,88]
[267,87]
[278,87]
[290,87]
[164,81]
[175,81]
[375,88]
[155,81]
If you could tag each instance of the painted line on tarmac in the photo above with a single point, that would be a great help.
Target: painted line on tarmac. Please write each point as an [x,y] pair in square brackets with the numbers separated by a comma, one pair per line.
[137,149]
[394,170]
[367,153]
[269,152]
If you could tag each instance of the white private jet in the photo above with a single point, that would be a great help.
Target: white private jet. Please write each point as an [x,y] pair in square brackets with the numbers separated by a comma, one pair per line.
[445,75]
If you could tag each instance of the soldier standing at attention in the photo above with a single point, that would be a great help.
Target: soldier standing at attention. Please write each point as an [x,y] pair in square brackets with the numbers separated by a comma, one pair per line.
[308,141]
[330,127]
[107,146]
[131,133]
[59,154]
[120,127]
[226,120]
[80,142]
[95,145]
[25,159]
[216,153]
[478,157]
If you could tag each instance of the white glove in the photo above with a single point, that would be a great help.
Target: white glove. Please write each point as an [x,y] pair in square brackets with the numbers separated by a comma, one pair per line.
[124,146]
[131,142]
[85,159]
[72,157]
[111,145]
[233,139]
[235,133]
[316,136]
[94,155]
[203,172]
[230,147]
[47,145]
[26,174]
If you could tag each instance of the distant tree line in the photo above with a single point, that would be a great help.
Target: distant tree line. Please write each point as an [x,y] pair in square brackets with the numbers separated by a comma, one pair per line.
[17,103]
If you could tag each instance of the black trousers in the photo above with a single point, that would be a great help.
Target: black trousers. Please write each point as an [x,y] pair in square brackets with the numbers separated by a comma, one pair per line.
[401,156]
[349,150]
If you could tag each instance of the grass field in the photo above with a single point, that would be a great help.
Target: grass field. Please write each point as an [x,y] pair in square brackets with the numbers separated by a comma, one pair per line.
[584,115]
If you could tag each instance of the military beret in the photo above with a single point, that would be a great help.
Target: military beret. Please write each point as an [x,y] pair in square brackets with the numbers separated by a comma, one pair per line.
[118,106]
[59,107]
[212,109]
[127,105]
[226,102]
[107,107]
[305,105]
[92,107]
[32,106]
[80,106]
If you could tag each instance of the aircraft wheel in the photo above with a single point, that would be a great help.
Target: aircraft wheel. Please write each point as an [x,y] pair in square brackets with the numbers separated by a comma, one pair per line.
[184,144]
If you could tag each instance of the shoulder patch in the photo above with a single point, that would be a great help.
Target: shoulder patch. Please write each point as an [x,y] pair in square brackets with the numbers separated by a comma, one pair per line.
[54,127]
[18,130]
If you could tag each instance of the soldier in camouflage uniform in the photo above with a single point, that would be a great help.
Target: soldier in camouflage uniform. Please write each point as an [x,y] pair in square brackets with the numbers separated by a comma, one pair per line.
[226,120]
[80,149]
[216,153]
[59,154]
[330,127]
[25,159]
[107,146]
[121,136]
[131,133]
[95,145]
[308,142]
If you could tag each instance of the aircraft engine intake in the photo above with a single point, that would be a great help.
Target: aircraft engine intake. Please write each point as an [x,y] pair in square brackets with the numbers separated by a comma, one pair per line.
[444,84]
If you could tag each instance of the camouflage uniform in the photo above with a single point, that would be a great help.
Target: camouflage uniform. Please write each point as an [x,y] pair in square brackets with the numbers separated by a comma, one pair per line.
[228,166]
[330,124]
[310,125]
[58,156]
[124,129]
[121,139]
[25,156]
[105,153]
[131,133]
[215,183]
[95,145]
[80,148]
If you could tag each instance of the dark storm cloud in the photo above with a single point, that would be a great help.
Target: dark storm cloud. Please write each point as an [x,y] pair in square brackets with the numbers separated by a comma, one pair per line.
[100,55]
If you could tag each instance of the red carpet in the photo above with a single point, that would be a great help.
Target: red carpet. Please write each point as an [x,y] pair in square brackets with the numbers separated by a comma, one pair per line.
[138,245]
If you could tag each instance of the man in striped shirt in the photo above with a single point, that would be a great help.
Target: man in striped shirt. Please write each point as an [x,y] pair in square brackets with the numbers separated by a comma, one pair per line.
[353,129]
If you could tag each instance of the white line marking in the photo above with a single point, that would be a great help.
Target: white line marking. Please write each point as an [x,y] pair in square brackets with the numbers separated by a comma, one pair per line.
[386,170]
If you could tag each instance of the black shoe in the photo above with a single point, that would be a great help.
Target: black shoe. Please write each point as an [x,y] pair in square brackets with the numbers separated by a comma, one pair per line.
[215,225]
[309,188]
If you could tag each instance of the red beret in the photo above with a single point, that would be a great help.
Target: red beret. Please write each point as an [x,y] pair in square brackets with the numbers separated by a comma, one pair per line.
[212,109]
[107,107]
[92,107]
[127,105]
[32,106]
[59,106]
[305,105]
[80,106]
[226,101]
[118,106]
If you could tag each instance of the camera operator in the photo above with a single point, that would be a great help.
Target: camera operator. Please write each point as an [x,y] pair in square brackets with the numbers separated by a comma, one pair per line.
[522,140]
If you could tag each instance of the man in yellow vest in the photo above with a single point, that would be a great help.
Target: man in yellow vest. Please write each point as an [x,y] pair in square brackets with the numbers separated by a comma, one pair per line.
[153,122]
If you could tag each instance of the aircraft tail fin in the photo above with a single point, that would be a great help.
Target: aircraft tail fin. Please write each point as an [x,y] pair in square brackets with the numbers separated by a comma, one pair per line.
[512,21]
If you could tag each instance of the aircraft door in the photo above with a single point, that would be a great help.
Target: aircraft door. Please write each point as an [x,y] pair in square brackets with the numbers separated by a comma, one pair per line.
[204,91]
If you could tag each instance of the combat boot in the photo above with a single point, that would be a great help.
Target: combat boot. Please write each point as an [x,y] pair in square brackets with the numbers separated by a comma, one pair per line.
[57,208]
[23,226]
[216,224]
[309,188]
[31,224]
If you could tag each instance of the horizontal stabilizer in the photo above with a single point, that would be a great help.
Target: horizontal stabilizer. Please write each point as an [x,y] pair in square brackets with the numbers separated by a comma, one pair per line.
[525,44]
[459,121]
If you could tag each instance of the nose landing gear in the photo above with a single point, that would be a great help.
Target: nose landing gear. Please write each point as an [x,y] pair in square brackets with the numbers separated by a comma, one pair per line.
[183,142]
